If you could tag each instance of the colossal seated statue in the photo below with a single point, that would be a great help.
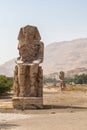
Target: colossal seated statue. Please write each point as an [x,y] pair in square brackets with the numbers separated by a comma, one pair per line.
[30,47]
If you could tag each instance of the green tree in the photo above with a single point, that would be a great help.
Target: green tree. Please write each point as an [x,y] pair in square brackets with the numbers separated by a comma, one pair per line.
[78,79]
[81,79]
[50,80]
[69,80]
[6,84]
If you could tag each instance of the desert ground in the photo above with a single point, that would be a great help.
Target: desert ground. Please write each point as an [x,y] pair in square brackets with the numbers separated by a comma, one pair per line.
[66,110]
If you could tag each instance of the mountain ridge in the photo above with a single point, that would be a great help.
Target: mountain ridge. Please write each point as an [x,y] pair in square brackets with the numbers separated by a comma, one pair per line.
[67,56]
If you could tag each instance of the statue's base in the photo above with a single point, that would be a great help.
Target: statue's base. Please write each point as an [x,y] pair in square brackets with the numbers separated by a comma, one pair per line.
[27,102]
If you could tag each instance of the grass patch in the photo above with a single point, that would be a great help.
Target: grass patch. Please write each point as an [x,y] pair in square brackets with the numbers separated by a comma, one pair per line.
[75,88]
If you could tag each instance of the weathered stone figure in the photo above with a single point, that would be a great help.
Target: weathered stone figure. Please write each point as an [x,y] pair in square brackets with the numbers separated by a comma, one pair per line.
[62,82]
[30,47]
[28,74]
[16,84]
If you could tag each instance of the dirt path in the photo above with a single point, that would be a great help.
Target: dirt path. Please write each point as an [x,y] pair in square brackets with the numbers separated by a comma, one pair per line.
[62,110]
[58,121]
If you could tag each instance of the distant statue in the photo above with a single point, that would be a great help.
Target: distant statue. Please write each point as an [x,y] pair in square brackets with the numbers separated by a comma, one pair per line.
[62,82]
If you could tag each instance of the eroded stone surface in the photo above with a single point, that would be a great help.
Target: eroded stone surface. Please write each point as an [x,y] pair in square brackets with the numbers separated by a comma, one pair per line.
[28,74]
[62,82]
[30,47]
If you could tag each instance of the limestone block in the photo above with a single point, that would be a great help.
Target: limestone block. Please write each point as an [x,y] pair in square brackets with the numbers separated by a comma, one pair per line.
[40,85]
[34,80]
[27,102]
[16,83]
[21,69]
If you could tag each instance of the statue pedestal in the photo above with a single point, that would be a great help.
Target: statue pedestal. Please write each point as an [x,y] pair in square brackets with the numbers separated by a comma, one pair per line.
[27,102]
[28,87]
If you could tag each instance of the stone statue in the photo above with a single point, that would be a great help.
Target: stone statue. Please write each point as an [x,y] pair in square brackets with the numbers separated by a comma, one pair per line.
[62,82]
[30,47]
[16,84]
[28,74]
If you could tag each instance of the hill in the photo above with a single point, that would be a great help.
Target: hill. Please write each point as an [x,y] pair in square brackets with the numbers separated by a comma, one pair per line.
[68,56]
[7,68]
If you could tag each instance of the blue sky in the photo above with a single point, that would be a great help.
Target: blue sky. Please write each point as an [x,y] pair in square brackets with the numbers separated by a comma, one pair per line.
[57,20]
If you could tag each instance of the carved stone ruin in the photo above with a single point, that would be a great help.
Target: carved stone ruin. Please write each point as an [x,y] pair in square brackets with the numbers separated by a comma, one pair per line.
[62,82]
[28,73]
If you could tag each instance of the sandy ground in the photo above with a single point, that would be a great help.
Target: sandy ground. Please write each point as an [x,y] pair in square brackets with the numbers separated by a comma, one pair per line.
[62,110]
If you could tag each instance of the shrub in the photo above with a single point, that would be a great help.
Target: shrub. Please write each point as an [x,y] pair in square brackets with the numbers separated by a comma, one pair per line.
[50,80]
[6,84]
[78,79]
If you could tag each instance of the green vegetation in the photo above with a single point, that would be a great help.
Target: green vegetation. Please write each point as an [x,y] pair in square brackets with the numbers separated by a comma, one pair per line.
[50,80]
[76,83]
[6,84]
[78,79]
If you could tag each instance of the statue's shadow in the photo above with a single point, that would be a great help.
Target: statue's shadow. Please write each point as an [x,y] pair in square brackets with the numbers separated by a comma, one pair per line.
[63,107]
[7,126]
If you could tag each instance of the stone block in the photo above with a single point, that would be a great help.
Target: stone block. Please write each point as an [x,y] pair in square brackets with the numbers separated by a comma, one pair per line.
[27,102]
